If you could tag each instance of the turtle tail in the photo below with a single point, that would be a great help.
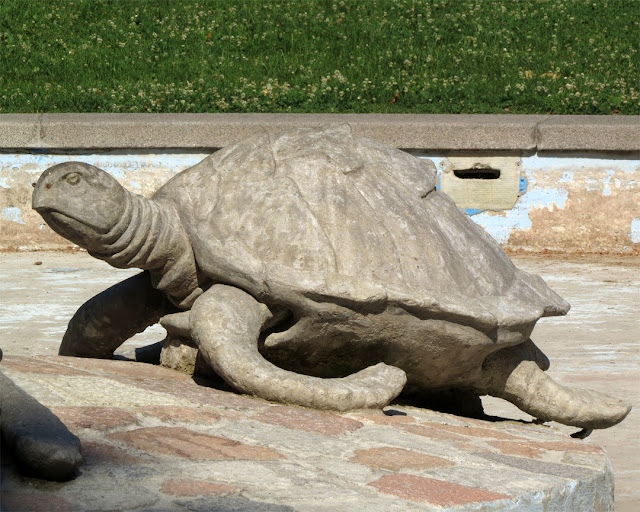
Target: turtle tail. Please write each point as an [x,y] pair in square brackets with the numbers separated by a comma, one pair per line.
[515,375]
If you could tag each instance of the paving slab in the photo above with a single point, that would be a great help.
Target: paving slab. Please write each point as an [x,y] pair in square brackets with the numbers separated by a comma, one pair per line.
[153,439]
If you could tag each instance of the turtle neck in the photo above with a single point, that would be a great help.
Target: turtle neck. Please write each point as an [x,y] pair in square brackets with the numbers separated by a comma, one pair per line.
[150,236]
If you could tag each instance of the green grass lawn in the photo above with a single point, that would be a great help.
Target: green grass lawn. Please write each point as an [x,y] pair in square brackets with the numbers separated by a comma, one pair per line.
[419,56]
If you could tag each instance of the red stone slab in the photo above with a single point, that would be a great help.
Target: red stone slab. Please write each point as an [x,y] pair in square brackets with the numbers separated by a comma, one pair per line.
[519,449]
[397,459]
[93,417]
[193,415]
[188,444]
[384,419]
[297,418]
[122,368]
[194,394]
[534,449]
[33,502]
[190,488]
[39,366]
[97,453]
[568,446]
[435,492]
[434,433]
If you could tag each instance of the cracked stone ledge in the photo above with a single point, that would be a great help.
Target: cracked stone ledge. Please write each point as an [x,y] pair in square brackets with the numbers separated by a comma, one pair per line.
[428,132]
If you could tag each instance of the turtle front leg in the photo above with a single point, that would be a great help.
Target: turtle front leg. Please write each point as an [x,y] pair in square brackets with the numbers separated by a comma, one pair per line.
[226,323]
[106,321]
[514,375]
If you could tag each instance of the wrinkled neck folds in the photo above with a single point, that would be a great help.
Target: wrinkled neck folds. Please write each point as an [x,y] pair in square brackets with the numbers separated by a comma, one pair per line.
[151,237]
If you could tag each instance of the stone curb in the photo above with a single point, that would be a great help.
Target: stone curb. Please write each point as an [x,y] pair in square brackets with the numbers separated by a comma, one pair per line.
[440,132]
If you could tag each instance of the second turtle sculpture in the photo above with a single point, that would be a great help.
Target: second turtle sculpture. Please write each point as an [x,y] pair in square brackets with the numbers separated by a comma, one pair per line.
[316,268]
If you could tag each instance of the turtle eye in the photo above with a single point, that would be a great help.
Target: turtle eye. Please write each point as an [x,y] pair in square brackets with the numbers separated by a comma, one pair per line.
[73,178]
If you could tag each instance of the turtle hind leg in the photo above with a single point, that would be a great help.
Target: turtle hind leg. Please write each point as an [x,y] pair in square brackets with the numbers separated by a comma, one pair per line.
[226,323]
[514,375]
[106,321]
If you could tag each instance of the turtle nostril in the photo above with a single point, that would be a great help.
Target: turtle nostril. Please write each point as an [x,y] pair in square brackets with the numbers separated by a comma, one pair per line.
[33,184]
[47,185]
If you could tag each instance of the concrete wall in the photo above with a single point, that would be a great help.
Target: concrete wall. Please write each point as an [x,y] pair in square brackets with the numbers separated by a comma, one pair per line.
[536,183]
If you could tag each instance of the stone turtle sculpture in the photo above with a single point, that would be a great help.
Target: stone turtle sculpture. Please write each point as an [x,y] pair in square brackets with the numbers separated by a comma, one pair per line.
[318,268]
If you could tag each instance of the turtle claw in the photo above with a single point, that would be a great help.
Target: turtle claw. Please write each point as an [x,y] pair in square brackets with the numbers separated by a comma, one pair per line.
[582,434]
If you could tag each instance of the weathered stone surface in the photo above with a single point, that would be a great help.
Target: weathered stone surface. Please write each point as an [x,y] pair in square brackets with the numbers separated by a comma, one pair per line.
[433,433]
[309,421]
[474,431]
[124,369]
[178,355]
[593,133]
[232,504]
[185,443]
[40,443]
[176,414]
[100,454]
[436,492]
[179,487]
[424,131]
[346,276]
[397,459]
[19,130]
[496,185]
[321,459]
[102,418]
[25,364]
[33,502]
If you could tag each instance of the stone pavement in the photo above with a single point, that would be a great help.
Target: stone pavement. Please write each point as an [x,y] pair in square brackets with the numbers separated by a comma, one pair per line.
[155,440]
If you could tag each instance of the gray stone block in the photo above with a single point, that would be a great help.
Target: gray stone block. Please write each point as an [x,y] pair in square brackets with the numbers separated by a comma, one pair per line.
[427,132]
[590,133]
[19,130]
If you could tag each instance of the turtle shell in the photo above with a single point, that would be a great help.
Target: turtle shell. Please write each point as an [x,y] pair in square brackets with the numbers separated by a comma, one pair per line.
[324,216]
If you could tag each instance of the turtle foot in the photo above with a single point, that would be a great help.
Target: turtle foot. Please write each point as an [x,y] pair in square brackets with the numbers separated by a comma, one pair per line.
[524,384]
[106,321]
[226,322]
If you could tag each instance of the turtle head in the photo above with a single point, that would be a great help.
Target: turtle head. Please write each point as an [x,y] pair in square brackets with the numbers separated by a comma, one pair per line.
[80,202]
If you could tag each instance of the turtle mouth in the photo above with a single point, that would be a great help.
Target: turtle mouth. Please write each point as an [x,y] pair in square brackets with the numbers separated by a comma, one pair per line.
[57,219]
[80,233]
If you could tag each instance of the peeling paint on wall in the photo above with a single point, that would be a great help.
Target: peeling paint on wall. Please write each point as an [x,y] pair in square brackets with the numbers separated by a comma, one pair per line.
[598,201]
[12,214]
[502,224]
[568,203]
[635,231]
[565,203]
